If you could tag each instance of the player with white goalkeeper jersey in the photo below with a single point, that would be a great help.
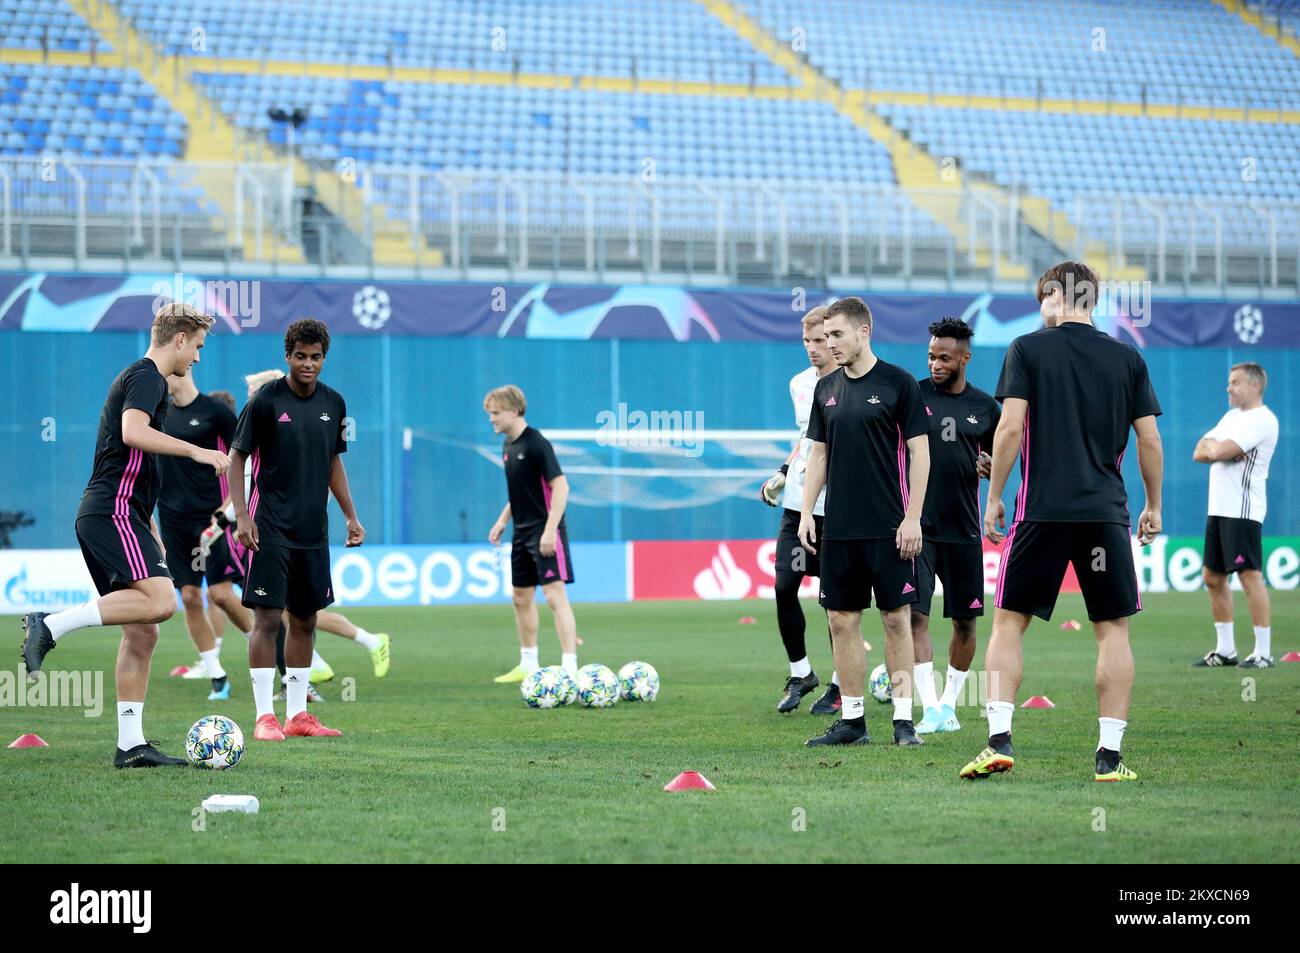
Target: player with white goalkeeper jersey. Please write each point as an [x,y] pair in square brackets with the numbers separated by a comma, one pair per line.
[793,562]
[1238,450]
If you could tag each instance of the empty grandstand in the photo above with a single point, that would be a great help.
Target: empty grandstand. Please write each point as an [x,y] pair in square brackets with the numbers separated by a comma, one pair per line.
[917,143]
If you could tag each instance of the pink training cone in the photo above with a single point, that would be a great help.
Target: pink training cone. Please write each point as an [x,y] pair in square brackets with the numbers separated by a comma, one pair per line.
[1074,624]
[179,670]
[29,741]
[690,781]
[1291,657]
[748,620]
[1038,701]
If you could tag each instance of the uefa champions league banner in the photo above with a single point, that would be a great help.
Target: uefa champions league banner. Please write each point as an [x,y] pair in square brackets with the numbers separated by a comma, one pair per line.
[39,301]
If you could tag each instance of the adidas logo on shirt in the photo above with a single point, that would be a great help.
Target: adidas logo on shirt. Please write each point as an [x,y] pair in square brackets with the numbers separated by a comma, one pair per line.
[873,399]
[194,421]
[324,416]
[973,419]
[1239,560]
[260,591]
[908,587]
[831,402]
[284,419]
[550,573]
[976,604]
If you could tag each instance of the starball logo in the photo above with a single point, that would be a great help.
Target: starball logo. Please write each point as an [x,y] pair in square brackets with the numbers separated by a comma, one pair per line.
[77,906]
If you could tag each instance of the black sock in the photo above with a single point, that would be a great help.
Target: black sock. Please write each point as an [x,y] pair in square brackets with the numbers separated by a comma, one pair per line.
[1108,758]
[1001,742]
[789,615]
[859,722]
[279,648]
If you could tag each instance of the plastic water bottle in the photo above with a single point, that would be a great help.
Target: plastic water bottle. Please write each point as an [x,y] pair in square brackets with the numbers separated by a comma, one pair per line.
[243,803]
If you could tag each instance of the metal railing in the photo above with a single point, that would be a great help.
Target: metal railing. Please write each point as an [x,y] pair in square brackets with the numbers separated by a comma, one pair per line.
[745,231]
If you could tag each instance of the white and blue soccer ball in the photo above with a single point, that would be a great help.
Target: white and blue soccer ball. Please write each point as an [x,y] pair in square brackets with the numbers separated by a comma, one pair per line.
[878,684]
[215,742]
[548,687]
[638,682]
[598,686]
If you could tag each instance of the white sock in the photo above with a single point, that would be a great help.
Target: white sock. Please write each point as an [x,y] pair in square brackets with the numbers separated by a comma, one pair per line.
[852,707]
[78,617]
[902,709]
[999,715]
[835,679]
[212,664]
[528,658]
[923,674]
[952,688]
[570,662]
[1227,646]
[263,690]
[1112,733]
[367,640]
[317,661]
[1263,641]
[130,721]
[296,694]
[801,668]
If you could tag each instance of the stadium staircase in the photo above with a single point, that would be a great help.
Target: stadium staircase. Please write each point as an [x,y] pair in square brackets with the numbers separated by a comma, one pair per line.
[928,180]
[213,138]
[932,185]
[1252,17]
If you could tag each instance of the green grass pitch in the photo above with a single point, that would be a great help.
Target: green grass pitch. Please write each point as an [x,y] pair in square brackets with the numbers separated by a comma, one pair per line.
[439,764]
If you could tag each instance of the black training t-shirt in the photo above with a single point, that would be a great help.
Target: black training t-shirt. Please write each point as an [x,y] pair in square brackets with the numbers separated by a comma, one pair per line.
[125,481]
[530,467]
[1084,390]
[292,442]
[192,489]
[865,423]
[961,425]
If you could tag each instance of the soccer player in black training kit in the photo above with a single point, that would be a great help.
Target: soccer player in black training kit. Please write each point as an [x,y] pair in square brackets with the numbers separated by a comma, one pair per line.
[538,493]
[1069,394]
[190,492]
[867,423]
[962,419]
[115,526]
[293,431]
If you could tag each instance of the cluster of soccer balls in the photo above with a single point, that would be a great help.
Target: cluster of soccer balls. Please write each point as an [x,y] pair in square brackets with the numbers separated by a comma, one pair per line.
[595,687]
[215,742]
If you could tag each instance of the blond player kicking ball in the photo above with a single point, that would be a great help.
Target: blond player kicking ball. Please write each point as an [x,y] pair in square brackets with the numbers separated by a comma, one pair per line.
[115,527]
[538,493]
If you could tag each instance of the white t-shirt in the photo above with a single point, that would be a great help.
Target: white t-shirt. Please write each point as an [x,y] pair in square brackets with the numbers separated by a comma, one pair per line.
[1237,486]
[801,395]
